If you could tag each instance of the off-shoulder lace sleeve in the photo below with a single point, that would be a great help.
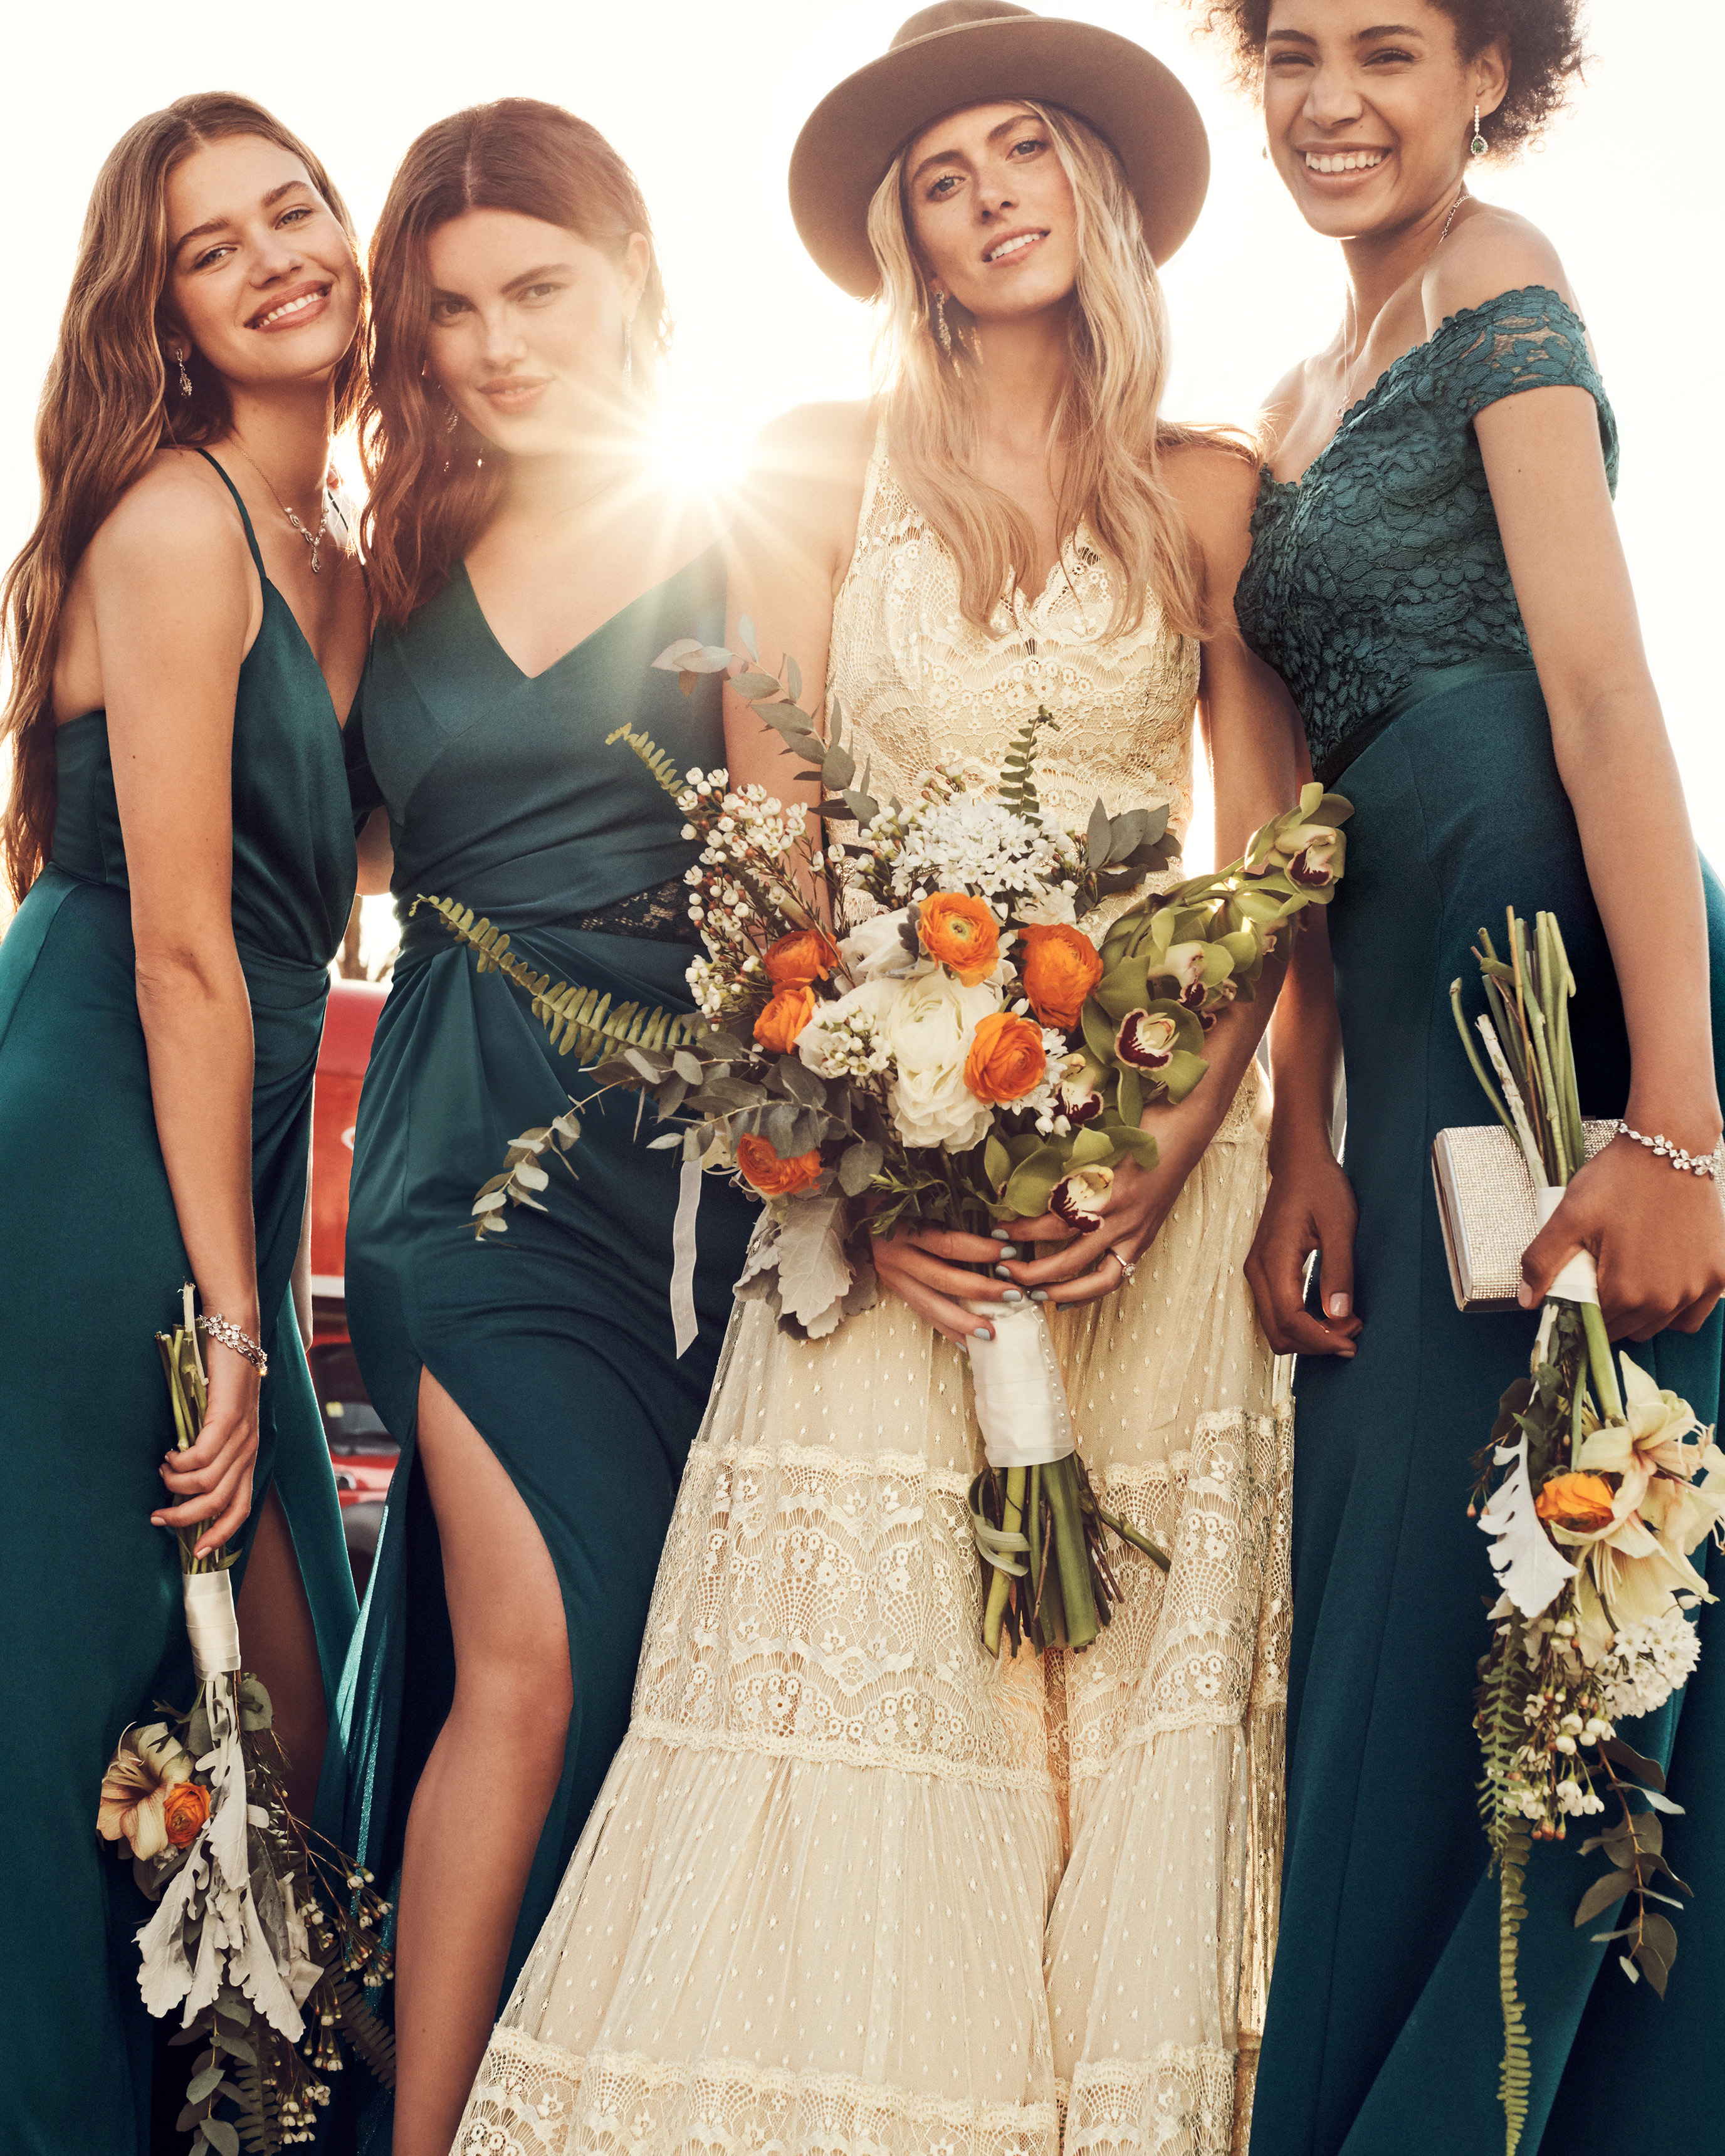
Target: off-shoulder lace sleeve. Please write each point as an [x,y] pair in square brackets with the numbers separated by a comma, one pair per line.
[1529,339]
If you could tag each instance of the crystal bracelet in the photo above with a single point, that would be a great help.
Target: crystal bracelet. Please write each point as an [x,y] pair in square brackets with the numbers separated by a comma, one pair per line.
[1686,1163]
[242,1343]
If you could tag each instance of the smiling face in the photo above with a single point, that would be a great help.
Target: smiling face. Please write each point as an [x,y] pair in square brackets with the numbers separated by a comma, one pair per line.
[1368,107]
[262,283]
[527,331]
[992,212]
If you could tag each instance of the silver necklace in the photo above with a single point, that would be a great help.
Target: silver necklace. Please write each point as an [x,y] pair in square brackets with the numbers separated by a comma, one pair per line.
[314,540]
[1354,313]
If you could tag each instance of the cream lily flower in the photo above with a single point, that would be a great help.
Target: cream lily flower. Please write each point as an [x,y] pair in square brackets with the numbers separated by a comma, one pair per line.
[146,1764]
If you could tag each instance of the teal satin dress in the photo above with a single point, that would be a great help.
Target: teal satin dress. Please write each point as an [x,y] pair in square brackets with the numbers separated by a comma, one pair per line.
[1378,586]
[91,1269]
[556,1343]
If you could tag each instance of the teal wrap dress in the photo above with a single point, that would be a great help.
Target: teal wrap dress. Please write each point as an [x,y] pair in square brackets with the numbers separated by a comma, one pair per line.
[1378,586]
[91,1269]
[556,1343]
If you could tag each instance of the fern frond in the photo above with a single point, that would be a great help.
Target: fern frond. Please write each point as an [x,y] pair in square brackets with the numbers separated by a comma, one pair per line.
[654,757]
[1017,789]
[1515,2079]
[370,2036]
[577,1018]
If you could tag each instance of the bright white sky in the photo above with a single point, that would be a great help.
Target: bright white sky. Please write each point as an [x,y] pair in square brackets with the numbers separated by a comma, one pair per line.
[705,101]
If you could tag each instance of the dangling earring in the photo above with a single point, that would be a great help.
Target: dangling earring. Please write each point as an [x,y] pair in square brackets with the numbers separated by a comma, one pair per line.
[452,418]
[1479,146]
[629,359]
[943,335]
[185,379]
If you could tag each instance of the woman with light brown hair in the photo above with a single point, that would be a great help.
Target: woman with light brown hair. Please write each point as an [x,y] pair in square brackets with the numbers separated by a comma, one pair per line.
[187,624]
[809,1906]
[528,571]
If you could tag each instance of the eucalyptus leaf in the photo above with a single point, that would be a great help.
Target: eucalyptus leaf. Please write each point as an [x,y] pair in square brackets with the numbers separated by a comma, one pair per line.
[1600,1895]
[857,1165]
[793,679]
[688,1067]
[754,684]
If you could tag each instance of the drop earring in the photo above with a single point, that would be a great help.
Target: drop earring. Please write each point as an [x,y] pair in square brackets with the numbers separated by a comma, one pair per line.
[452,418]
[628,360]
[1479,145]
[185,379]
[943,335]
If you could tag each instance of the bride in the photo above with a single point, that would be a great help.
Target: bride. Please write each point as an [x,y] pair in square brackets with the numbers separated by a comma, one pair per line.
[852,1883]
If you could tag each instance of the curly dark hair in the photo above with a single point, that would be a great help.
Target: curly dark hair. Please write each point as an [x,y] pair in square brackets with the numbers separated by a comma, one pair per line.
[1543,37]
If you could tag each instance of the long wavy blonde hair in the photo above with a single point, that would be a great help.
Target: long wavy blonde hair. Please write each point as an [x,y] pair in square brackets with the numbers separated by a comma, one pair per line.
[1105,423]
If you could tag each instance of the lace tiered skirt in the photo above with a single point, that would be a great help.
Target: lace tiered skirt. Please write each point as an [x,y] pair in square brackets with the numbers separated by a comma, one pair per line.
[820,1905]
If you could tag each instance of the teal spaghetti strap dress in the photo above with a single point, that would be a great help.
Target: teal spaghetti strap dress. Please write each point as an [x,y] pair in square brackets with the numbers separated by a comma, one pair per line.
[90,1269]
[1376,586]
[556,1343]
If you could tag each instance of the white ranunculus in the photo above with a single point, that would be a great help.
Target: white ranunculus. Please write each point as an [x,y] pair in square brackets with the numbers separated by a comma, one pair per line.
[928,1026]
[875,947]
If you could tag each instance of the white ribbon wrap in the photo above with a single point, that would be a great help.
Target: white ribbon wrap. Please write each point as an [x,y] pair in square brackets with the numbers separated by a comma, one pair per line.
[210,1622]
[1020,1401]
[1579,1280]
[682,1279]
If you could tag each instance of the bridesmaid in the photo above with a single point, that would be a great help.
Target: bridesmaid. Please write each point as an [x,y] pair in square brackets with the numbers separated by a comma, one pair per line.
[1439,578]
[188,622]
[527,573]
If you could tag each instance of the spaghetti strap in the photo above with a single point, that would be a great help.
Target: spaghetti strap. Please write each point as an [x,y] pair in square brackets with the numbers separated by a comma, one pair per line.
[251,536]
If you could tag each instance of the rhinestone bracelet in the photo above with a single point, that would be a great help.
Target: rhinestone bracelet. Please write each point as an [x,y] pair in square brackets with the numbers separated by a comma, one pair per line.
[242,1343]
[1686,1163]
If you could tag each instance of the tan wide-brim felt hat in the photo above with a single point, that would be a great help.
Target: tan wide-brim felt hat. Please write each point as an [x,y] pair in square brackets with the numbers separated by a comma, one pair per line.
[979,52]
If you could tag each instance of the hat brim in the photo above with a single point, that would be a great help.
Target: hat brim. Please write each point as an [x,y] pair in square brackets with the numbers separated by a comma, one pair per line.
[853,134]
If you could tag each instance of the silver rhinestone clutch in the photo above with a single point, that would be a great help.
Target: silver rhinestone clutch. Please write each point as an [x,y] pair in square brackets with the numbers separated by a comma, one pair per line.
[1486,1207]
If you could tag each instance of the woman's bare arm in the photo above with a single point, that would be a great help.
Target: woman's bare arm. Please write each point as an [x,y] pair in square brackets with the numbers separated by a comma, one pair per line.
[174,603]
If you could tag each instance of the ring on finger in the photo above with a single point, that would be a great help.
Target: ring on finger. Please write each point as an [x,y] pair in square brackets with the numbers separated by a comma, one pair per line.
[1128,1266]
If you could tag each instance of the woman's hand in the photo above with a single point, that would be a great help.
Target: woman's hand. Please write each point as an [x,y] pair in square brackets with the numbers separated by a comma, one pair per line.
[1310,1207]
[212,1478]
[928,1268]
[1083,1268]
[1657,1236]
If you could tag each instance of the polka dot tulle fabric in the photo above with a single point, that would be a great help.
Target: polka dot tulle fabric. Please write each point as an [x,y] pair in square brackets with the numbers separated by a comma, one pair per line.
[852,1885]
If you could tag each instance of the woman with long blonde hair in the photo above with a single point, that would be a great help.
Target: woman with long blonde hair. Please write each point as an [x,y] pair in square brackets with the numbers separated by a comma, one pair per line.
[817,1899]
[187,624]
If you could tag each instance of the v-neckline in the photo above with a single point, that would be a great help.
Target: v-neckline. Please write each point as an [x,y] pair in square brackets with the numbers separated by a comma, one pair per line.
[1414,351]
[270,585]
[597,630]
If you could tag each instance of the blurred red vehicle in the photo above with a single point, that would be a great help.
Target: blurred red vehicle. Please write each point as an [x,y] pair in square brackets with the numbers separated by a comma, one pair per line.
[361,1451]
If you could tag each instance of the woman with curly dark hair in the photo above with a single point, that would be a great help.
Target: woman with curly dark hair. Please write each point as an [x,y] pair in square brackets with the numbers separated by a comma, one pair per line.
[1436,573]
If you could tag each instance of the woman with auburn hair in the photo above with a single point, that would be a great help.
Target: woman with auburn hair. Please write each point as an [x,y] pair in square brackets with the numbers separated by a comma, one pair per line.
[812,1907]
[544,1392]
[1436,573]
[187,624]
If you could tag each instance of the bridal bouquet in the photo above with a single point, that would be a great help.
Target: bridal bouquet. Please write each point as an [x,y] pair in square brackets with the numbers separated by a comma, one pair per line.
[259,1935]
[902,1021]
[1607,1491]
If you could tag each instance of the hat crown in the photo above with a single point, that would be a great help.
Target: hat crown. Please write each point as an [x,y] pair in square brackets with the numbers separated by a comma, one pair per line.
[951,15]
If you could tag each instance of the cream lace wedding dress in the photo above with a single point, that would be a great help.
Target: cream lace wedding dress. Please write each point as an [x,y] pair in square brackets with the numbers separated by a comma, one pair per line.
[825,1902]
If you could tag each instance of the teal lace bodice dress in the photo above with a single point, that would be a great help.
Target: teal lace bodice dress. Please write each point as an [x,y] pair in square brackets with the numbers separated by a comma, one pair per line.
[91,1268]
[556,1341]
[1377,587]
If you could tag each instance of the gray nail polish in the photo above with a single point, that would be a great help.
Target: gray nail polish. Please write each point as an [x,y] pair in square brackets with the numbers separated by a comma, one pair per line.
[1001,1235]
[1013,1295]
[1001,1273]
[1010,1251]
[1039,1295]
[982,1332]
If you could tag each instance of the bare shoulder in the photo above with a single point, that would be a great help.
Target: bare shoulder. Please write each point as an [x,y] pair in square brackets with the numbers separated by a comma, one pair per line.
[827,444]
[177,525]
[1215,484]
[1281,406]
[1490,252]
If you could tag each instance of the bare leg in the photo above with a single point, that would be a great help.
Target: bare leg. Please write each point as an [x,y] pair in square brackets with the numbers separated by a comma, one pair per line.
[278,1644]
[461,1888]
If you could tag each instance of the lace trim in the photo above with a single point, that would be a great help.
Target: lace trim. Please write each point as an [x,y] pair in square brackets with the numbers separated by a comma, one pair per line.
[1180,2102]
[843,1751]
[531,2099]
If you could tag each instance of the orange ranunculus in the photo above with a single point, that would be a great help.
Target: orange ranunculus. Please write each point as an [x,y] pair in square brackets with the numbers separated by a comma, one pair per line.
[771,1176]
[963,933]
[795,960]
[1583,1503]
[784,1018]
[1059,968]
[1007,1058]
[186,1808]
